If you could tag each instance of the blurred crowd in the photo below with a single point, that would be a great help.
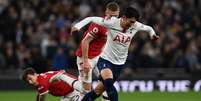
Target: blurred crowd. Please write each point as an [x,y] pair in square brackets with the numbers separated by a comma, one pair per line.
[36,33]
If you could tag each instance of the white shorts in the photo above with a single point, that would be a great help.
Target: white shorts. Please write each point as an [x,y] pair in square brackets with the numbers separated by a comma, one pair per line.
[88,77]
[73,96]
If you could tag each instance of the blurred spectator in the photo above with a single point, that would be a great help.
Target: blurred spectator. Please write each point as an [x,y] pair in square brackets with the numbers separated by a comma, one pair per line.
[191,56]
[48,46]
[22,54]
[36,37]
[198,41]
[84,9]
[2,61]
[10,56]
[36,61]
[3,5]
[60,60]
[60,22]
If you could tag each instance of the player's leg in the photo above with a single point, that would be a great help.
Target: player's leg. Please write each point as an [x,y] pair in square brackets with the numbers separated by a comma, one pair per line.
[97,74]
[88,81]
[116,70]
[107,79]
[108,82]
[83,77]
[86,78]
[91,96]
[109,73]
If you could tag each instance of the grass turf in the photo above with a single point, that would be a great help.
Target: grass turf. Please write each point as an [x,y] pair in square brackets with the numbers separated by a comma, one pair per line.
[136,96]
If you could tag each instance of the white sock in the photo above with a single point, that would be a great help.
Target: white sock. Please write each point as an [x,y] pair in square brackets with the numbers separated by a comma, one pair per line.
[78,86]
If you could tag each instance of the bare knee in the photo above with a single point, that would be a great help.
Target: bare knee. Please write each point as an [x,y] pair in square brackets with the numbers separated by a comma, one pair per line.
[106,73]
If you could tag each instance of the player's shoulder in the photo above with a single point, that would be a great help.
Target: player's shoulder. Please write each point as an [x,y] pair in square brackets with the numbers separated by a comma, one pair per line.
[137,25]
[92,25]
[113,23]
[96,28]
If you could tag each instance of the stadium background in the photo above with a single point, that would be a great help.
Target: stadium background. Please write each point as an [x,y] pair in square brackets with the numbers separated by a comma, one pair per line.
[36,33]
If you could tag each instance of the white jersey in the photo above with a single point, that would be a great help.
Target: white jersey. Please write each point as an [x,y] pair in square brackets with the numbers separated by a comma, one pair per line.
[118,42]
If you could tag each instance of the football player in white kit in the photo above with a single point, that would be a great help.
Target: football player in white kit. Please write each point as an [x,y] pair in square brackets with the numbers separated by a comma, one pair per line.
[111,61]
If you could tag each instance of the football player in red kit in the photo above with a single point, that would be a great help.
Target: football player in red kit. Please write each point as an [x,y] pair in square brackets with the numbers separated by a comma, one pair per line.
[91,47]
[44,83]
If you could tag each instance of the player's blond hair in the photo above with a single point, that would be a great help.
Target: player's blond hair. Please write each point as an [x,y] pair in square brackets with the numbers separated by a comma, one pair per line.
[113,6]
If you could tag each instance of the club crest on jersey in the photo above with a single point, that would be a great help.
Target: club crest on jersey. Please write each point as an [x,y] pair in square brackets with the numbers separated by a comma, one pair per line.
[122,39]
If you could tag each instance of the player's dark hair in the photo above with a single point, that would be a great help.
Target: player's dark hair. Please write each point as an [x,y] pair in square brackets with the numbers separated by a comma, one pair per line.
[26,72]
[130,12]
[113,6]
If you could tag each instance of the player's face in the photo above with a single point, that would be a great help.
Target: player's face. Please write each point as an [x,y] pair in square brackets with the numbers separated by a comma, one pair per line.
[128,22]
[32,79]
[110,13]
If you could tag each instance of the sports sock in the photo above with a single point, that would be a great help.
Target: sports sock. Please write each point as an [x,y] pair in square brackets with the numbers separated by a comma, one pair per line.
[110,89]
[91,96]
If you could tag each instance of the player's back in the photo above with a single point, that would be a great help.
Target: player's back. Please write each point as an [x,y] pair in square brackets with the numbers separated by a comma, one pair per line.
[57,88]
[95,47]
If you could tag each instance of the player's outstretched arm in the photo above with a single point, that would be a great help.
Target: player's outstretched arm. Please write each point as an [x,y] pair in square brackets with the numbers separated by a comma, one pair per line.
[88,20]
[107,22]
[142,27]
[73,29]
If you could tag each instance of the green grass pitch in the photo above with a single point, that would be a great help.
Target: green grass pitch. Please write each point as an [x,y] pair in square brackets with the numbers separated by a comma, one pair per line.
[136,96]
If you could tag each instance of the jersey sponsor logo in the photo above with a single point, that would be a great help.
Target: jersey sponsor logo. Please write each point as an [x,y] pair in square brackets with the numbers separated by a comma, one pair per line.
[93,31]
[122,39]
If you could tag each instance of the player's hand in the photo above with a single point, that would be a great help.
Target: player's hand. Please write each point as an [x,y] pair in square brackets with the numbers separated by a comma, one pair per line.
[154,37]
[86,66]
[73,29]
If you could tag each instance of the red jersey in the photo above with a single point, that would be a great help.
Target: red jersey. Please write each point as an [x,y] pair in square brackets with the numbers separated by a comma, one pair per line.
[58,88]
[100,37]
